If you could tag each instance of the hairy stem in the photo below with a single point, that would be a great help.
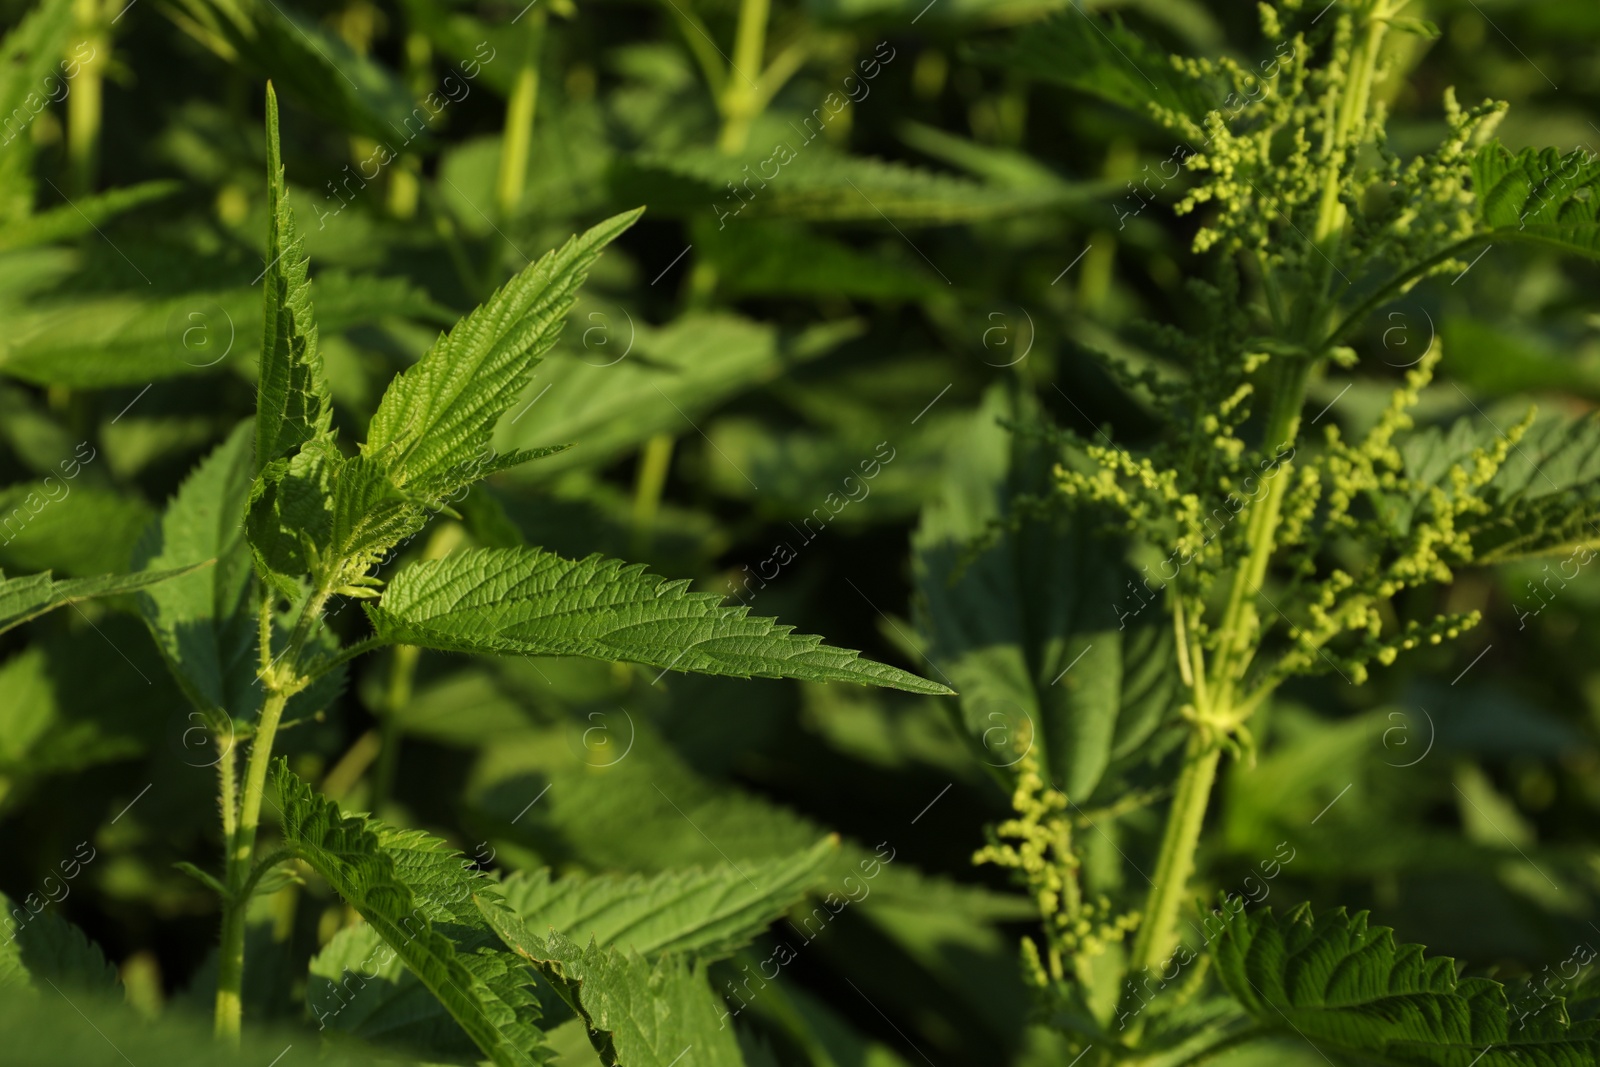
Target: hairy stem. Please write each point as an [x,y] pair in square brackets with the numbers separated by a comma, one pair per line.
[230,960]
[281,682]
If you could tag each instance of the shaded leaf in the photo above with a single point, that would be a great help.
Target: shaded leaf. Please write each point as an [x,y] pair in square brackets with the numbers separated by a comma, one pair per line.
[31,595]
[816,184]
[29,54]
[205,623]
[41,949]
[1034,629]
[1104,59]
[639,1014]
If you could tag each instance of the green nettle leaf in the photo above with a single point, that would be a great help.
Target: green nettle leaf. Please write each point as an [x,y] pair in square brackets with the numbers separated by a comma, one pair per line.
[95,341]
[328,515]
[709,913]
[672,374]
[1546,497]
[1032,629]
[639,1013]
[41,949]
[81,216]
[1103,59]
[442,918]
[529,602]
[706,914]
[1540,196]
[434,424]
[1347,987]
[316,65]
[804,181]
[292,402]
[31,595]
[88,530]
[205,623]
[48,1029]
[1543,501]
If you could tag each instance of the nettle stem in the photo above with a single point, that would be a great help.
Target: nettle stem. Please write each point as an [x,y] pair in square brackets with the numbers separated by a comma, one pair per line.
[1217,704]
[1175,864]
[84,99]
[741,95]
[282,681]
[516,144]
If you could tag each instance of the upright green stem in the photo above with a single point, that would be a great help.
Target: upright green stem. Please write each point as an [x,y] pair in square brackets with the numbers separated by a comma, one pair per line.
[741,95]
[84,101]
[516,145]
[655,462]
[281,682]
[1352,108]
[242,843]
[402,673]
[1174,865]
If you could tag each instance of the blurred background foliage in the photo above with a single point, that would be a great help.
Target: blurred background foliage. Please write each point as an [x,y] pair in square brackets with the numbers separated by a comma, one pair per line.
[860,222]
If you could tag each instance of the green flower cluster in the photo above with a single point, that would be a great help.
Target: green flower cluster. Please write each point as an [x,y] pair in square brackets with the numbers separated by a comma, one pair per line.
[1038,846]
[1306,199]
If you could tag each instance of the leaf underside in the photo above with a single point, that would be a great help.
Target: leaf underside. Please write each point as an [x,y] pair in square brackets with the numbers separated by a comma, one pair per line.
[31,595]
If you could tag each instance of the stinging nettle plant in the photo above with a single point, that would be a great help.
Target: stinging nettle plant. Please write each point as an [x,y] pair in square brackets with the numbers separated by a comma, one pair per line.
[293,520]
[1266,550]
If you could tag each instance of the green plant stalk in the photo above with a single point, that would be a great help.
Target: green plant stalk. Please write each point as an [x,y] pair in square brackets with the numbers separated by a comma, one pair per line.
[655,461]
[698,40]
[239,878]
[84,103]
[1174,865]
[516,144]
[1181,838]
[1354,104]
[405,178]
[402,672]
[230,959]
[741,95]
